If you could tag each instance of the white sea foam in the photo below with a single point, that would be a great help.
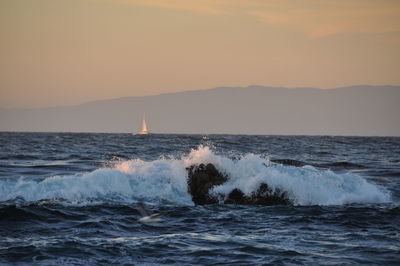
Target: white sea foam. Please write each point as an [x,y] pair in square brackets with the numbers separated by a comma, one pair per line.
[165,180]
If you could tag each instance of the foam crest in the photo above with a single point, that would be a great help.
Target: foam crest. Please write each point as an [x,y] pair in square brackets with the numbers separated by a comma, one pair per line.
[164,180]
[304,185]
[160,180]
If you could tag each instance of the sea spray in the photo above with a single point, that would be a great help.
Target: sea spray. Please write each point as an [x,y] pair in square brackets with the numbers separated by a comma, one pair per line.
[165,180]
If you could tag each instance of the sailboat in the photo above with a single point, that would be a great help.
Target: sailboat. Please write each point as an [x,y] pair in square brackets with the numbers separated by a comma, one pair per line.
[144,130]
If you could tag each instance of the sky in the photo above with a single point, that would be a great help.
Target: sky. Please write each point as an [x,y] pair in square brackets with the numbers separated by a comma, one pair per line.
[66,52]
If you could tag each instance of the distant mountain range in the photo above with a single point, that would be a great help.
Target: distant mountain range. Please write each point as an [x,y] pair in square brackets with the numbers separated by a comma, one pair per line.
[356,110]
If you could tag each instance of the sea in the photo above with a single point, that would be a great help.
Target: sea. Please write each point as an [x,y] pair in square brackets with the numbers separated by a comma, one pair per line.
[74,199]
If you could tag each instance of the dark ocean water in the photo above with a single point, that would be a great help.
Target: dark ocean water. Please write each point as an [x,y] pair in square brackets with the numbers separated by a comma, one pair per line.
[72,198]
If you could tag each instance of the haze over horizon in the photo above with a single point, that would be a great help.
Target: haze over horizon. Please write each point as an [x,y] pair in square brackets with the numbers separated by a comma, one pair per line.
[185,91]
[68,52]
[357,110]
[189,91]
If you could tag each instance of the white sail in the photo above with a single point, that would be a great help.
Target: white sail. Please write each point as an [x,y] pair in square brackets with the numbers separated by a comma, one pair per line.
[144,130]
[144,125]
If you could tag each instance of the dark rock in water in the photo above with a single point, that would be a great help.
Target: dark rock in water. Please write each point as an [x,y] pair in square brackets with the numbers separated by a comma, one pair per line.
[336,165]
[289,162]
[266,196]
[236,196]
[202,178]
[346,165]
[262,196]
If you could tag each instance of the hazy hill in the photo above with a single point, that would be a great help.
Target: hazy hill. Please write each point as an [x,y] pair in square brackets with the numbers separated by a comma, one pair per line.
[357,110]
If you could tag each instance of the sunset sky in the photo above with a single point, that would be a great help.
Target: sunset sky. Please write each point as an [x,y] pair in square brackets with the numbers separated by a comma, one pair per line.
[62,52]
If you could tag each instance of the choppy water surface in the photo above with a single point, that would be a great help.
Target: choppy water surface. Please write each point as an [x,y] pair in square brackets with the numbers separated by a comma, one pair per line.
[72,198]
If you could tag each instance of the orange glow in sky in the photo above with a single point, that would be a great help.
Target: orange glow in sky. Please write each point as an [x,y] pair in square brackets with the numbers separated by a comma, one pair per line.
[61,52]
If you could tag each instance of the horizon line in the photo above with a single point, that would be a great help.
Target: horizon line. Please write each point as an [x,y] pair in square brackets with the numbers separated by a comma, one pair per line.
[200,134]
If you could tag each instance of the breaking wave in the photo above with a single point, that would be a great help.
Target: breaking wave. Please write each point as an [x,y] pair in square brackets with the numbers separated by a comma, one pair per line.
[164,180]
